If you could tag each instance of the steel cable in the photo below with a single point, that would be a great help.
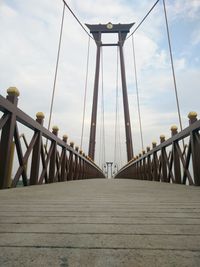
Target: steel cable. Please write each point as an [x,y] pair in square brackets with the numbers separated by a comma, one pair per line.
[85,93]
[56,68]
[116,108]
[172,66]
[117,126]
[137,93]
[79,22]
[143,19]
[102,110]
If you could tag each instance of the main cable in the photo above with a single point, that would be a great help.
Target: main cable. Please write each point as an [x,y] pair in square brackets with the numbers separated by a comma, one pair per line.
[172,66]
[102,103]
[56,68]
[85,94]
[116,107]
[137,93]
[117,120]
[79,22]
[143,19]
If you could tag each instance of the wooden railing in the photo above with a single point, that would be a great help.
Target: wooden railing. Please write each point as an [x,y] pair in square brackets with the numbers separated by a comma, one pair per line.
[176,160]
[51,159]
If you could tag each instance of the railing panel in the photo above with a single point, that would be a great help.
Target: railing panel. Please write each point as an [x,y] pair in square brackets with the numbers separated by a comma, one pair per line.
[45,158]
[176,160]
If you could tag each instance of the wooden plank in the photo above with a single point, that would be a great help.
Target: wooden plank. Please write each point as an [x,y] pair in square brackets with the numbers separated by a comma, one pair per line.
[101,223]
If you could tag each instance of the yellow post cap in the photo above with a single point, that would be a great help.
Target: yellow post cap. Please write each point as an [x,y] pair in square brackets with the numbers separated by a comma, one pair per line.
[65,137]
[40,115]
[192,115]
[174,128]
[162,138]
[55,128]
[154,144]
[13,91]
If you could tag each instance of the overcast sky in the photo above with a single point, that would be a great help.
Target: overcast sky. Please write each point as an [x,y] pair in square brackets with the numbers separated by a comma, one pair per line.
[29,33]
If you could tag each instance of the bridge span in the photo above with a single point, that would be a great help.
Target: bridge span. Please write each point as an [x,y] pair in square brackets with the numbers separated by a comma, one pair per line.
[100,222]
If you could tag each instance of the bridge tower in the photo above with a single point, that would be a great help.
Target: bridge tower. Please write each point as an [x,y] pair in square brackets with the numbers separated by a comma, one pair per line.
[122,30]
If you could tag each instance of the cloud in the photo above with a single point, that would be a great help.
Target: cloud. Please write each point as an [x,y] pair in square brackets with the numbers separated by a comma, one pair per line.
[184,10]
[196,37]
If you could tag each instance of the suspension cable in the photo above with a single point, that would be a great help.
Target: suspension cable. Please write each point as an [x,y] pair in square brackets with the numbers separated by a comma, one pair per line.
[117,122]
[116,107]
[100,134]
[102,124]
[85,94]
[137,92]
[143,19]
[100,129]
[56,68]
[79,22]
[172,66]
[103,119]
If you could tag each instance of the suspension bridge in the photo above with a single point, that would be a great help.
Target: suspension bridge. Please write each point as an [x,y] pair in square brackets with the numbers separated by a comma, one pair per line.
[60,208]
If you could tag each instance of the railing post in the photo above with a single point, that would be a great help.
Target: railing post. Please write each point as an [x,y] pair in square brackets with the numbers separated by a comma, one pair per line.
[176,159]
[195,147]
[85,167]
[144,169]
[140,167]
[155,163]
[7,139]
[163,161]
[64,160]
[35,164]
[149,176]
[135,169]
[77,167]
[81,164]
[71,162]
[52,164]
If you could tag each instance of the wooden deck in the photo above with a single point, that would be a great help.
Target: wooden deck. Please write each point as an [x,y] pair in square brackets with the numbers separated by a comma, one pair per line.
[99,222]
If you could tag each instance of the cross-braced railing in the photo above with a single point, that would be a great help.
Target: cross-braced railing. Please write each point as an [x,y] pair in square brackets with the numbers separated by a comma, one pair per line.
[51,159]
[176,160]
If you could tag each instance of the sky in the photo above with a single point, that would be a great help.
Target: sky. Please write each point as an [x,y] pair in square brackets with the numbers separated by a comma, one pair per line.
[29,33]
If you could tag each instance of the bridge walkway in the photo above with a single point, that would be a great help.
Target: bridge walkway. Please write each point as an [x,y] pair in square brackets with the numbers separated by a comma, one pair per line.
[100,222]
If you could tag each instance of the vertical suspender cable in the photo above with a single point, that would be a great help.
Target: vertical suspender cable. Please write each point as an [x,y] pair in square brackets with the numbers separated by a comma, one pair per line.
[85,94]
[102,103]
[172,65]
[137,92]
[117,126]
[102,123]
[100,128]
[56,69]
[116,108]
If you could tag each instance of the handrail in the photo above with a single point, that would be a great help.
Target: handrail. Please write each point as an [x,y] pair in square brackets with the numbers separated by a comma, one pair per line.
[52,166]
[169,161]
